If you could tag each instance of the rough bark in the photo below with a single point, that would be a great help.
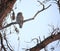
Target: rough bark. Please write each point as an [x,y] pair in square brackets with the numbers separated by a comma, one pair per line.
[5,7]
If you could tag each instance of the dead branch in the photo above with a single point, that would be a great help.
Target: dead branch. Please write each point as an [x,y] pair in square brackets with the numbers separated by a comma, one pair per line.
[45,42]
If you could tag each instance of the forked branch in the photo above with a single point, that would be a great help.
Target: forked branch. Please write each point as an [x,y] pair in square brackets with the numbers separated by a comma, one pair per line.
[38,12]
[45,42]
[30,18]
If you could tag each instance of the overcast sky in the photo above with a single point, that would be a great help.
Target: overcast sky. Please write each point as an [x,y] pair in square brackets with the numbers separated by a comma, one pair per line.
[38,26]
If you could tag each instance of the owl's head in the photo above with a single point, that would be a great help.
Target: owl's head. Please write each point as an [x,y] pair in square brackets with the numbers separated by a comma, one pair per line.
[20,13]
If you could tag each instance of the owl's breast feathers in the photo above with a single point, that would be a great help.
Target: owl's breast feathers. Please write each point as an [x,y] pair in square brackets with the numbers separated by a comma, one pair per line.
[20,19]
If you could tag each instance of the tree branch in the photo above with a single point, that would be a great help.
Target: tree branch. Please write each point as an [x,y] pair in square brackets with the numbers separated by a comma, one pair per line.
[9,25]
[29,18]
[45,42]
[2,45]
[8,45]
[38,12]
[5,8]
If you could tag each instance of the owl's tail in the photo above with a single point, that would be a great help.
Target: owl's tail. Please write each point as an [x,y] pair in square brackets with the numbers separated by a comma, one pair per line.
[20,26]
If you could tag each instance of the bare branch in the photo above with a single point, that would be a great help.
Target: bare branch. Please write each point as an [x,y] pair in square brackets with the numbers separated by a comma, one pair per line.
[5,9]
[38,12]
[41,10]
[13,15]
[58,4]
[29,18]
[41,4]
[8,25]
[39,39]
[2,45]
[16,29]
[44,43]
[45,1]
[36,40]
[8,45]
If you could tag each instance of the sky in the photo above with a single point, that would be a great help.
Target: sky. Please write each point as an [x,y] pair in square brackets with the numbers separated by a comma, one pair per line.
[35,28]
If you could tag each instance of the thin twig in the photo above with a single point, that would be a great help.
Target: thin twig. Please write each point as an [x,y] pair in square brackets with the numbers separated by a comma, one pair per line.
[10,47]
[38,12]
[2,45]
